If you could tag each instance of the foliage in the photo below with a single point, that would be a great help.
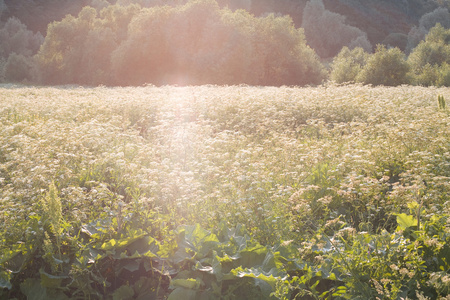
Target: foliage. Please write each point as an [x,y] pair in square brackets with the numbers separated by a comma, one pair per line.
[327,32]
[18,44]
[195,43]
[385,67]
[430,60]
[440,15]
[224,193]
[348,64]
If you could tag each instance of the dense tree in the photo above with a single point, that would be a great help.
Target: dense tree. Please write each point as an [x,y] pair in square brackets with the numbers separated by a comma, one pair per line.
[430,60]
[396,39]
[348,64]
[195,43]
[385,67]
[17,45]
[19,68]
[16,38]
[327,31]
[440,15]
[78,49]
[134,42]
[3,7]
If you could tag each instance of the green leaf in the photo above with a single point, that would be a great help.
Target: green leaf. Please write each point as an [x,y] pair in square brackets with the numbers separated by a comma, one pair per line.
[183,294]
[124,292]
[404,221]
[109,244]
[51,281]
[144,289]
[266,282]
[190,283]
[253,256]
[131,265]
[33,289]
[5,280]
[340,291]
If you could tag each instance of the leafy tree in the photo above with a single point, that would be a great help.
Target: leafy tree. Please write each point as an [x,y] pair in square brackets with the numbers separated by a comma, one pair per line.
[440,15]
[430,59]
[195,43]
[385,67]
[60,55]
[396,39]
[17,46]
[144,55]
[78,49]
[16,38]
[327,31]
[348,64]
[18,68]
[3,7]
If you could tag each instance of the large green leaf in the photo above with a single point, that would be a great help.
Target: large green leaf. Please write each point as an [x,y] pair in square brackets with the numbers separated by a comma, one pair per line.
[265,281]
[5,280]
[51,281]
[182,293]
[124,292]
[33,290]
[405,221]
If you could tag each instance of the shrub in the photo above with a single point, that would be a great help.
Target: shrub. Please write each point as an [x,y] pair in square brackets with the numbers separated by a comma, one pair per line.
[385,67]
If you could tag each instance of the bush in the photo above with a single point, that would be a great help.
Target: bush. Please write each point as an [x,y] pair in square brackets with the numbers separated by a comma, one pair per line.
[385,67]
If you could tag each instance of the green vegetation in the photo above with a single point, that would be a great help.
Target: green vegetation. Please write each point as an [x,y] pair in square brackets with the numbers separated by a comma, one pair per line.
[193,42]
[430,60]
[335,192]
[196,43]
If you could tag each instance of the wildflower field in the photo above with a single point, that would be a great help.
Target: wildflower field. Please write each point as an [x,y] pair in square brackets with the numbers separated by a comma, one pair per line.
[332,192]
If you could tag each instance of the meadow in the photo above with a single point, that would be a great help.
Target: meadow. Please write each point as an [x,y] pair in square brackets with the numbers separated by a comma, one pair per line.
[224,192]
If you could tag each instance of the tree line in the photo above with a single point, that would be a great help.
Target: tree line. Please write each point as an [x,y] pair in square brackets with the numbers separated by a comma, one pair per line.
[202,42]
